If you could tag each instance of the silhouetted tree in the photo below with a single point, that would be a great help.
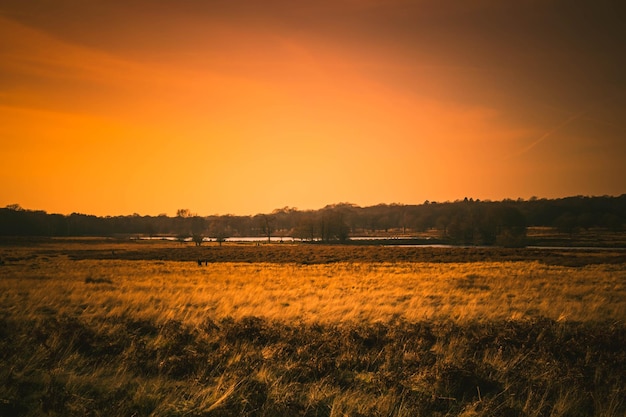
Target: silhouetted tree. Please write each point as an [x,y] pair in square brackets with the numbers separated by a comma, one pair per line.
[332,225]
[464,221]
[511,226]
[306,228]
[219,230]
[184,213]
[197,238]
[266,224]
[566,223]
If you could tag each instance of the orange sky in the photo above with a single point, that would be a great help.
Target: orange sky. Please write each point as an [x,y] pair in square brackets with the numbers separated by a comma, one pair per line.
[115,107]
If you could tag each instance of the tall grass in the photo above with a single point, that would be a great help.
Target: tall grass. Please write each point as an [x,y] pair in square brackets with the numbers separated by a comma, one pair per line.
[158,338]
[329,293]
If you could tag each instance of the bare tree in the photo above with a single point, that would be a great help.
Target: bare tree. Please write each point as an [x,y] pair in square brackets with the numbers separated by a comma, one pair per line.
[266,224]
[184,213]
[219,230]
[197,238]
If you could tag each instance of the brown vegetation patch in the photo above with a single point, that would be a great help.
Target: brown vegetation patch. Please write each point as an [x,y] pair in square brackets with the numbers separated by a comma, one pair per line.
[114,329]
[322,254]
[256,367]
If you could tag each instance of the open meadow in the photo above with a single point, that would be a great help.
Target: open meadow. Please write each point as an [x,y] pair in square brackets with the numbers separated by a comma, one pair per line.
[104,327]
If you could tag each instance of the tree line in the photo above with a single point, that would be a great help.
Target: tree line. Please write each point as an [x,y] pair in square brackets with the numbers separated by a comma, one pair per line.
[466,221]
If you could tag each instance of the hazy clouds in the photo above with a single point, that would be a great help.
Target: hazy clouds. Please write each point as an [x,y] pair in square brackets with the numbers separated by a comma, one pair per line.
[491,99]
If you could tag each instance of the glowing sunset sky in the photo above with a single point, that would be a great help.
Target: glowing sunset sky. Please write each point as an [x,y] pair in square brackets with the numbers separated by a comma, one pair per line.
[113,107]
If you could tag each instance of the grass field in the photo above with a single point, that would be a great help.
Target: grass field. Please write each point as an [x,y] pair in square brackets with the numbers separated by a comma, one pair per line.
[115,328]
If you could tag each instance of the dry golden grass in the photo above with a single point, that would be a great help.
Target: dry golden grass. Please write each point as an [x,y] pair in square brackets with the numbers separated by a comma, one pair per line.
[148,337]
[328,293]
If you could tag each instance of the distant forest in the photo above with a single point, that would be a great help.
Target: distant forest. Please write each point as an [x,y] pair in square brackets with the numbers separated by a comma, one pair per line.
[465,221]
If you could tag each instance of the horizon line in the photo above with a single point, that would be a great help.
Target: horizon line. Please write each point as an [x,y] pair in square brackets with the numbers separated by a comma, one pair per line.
[18,207]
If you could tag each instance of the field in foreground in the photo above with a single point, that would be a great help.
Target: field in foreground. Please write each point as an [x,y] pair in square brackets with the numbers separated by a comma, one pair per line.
[88,335]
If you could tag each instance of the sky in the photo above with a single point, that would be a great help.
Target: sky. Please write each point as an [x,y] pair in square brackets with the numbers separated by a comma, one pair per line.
[112,107]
